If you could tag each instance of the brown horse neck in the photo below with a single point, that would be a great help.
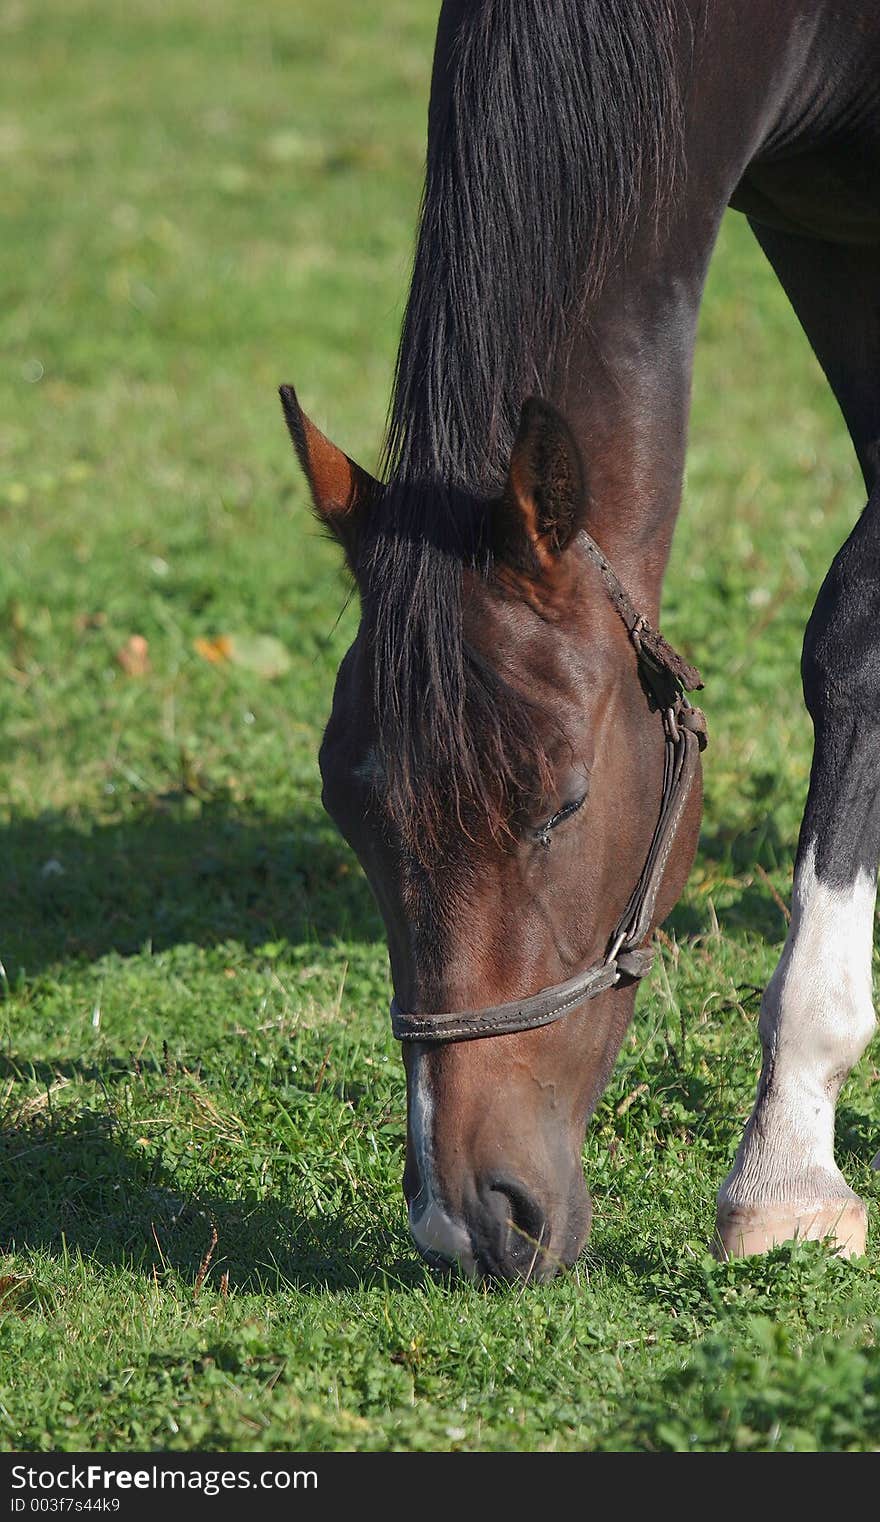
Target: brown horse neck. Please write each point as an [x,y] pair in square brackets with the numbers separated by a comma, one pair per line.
[626,396]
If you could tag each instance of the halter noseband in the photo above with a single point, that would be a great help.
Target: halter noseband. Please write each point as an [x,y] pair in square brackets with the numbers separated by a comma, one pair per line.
[666,678]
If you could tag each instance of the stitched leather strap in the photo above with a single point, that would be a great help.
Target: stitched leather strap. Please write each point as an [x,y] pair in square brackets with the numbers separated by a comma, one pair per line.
[522,1014]
[647,640]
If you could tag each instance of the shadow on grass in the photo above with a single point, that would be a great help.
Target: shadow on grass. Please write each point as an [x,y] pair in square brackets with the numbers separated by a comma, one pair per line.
[79,1187]
[734,858]
[180,871]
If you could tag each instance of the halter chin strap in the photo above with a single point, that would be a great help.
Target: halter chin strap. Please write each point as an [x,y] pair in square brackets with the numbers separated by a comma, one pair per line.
[665,677]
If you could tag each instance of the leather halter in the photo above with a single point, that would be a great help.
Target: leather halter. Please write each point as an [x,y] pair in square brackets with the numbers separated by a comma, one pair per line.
[665,677]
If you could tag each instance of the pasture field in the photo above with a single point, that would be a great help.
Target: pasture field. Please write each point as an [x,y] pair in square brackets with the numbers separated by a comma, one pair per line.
[201,201]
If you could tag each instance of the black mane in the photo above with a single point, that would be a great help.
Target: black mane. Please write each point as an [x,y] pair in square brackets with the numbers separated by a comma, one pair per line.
[555,126]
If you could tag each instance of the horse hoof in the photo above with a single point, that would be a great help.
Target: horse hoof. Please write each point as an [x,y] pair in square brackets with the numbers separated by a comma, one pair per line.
[742,1230]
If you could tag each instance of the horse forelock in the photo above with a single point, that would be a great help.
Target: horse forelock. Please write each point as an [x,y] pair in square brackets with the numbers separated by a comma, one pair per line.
[460,748]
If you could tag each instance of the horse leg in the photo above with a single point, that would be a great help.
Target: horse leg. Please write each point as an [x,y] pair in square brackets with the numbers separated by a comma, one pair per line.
[817,1014]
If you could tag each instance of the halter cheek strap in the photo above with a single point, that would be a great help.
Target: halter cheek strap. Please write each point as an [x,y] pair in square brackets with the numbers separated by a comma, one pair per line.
[665,677]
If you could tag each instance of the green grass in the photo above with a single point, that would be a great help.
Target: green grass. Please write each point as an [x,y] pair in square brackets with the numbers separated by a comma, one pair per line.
[199,203]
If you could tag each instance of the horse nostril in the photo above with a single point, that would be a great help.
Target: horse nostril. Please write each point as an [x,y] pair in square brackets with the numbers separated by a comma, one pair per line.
[526,1214]
[518,1233]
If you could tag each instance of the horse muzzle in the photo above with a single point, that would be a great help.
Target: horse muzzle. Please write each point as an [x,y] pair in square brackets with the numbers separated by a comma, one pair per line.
[503,1229]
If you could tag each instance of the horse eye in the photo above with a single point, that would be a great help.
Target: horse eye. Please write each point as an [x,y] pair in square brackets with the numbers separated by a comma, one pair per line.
[542,834]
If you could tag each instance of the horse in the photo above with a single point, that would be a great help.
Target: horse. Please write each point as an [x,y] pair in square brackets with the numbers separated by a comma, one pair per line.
[511,751]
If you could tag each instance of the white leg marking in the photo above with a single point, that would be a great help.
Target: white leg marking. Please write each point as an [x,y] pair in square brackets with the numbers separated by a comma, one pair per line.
[817,1017]
[433,1231]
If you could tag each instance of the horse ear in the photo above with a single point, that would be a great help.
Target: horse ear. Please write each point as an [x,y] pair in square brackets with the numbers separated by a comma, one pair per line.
[341,490]
[544,502]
